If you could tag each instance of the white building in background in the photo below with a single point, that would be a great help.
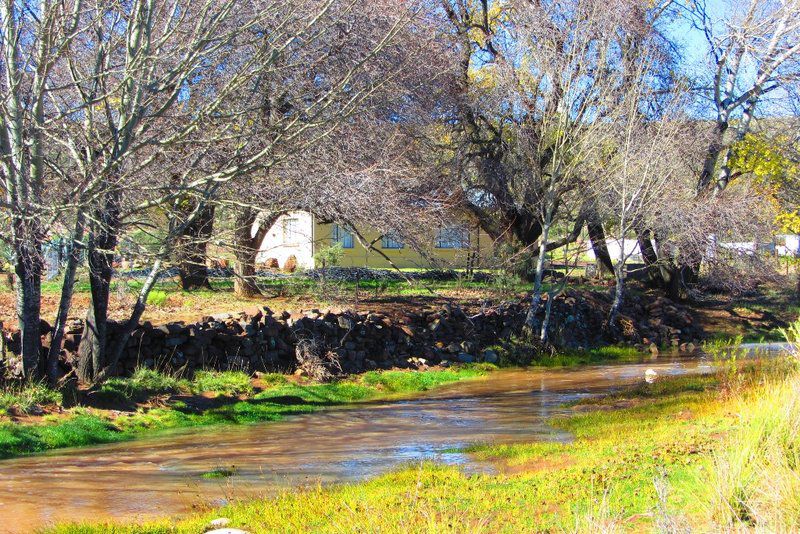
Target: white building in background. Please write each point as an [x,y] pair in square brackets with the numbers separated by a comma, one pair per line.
[291,235]
[787,245]
[632,252]
[782,245]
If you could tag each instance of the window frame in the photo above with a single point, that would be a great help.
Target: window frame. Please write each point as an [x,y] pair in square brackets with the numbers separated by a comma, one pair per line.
[451,243]
[390,241]
[294,233]
[340,235]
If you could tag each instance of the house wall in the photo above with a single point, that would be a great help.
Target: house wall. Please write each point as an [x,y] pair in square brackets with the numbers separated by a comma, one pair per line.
[480,247]
[315,235]
[301,245]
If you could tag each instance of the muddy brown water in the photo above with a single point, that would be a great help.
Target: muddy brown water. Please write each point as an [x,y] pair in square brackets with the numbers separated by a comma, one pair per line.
[161,475]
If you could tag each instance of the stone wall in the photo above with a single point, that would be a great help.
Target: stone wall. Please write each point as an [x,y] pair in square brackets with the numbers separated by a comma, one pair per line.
[260,340]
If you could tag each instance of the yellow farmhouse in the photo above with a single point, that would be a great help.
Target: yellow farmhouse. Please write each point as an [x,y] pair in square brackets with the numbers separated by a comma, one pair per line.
[303,235]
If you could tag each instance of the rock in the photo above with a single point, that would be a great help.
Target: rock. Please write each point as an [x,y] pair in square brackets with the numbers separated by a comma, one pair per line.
[175,341]
[463,357]
[650,376]
[490,356]
[691,348]
[469,347]
[454,348]
[220,522]
[653,349]
[227,531]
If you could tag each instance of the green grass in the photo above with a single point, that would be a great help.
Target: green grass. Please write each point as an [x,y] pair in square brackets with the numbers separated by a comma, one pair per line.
[143,384]
[297,286]
[82,427]
[402,381]
[219,472]
[78,429]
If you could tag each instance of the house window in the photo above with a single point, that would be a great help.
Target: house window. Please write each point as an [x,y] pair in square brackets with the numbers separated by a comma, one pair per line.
[342,236]
[452,237]
[390,241]
[291,231]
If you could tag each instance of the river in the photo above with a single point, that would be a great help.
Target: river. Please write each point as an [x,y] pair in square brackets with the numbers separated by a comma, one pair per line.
[161,475]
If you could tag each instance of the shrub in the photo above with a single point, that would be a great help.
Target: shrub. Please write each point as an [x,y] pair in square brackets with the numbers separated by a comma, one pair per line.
[330,256]
[507,282]
[316,361]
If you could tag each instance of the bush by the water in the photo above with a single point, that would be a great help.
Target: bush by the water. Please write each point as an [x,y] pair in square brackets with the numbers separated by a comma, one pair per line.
[523,351]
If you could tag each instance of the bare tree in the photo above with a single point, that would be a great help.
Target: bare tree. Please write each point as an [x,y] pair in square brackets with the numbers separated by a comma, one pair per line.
[543,71]
[754,47]
[642,166]
[753,50]
[135,97]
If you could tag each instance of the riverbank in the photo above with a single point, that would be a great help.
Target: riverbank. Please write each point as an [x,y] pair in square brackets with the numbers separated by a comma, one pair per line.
[712,452]
[149,402]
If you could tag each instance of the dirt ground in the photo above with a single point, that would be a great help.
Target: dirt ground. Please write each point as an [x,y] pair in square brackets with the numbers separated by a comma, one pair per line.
[190,307]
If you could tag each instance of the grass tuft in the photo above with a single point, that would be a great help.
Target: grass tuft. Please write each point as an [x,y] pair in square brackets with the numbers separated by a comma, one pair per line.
[142,384]
[219,472]
[228,383]
[26,398]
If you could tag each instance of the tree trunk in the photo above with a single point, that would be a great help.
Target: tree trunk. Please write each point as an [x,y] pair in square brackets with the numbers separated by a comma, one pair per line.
[536,298]
[27,241]
[619,289]
[102,242]
[598,238]
[715,148]
[27,287]
[246,246]
[192,251]
[65,303]
[115,352]
[650,258]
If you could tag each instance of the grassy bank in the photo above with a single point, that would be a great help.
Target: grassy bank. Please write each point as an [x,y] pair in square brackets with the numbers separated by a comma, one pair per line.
[209,399]
[711,453]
